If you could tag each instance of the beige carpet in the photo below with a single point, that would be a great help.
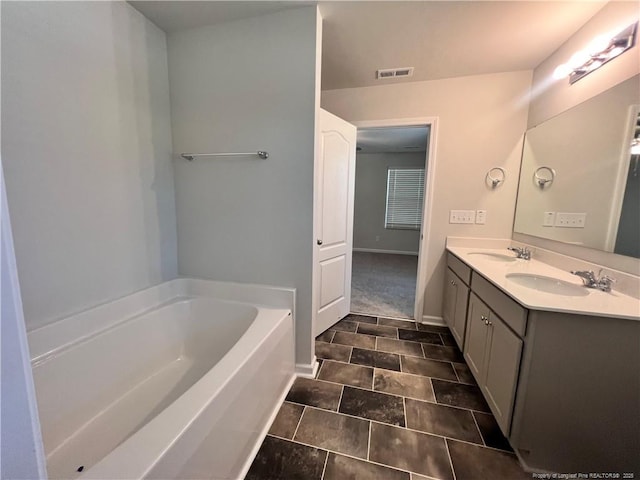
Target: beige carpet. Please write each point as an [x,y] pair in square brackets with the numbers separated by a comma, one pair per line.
[383,285]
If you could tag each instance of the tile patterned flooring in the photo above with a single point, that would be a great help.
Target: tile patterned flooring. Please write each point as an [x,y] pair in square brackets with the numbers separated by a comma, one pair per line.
[392,400]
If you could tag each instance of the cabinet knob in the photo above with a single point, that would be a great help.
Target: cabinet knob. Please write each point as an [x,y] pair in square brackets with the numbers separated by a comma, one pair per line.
[489,323]
[453,283]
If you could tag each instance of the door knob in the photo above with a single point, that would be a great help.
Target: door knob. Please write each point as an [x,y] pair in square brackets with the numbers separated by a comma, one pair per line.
[319,242]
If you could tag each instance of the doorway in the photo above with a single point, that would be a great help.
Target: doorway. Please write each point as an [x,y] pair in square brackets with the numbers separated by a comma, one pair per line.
[392,163]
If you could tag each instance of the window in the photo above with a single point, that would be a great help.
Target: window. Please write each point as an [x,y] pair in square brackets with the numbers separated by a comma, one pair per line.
[405,193]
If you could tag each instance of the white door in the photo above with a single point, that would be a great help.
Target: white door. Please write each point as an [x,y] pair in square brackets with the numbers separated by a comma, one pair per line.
[334,186]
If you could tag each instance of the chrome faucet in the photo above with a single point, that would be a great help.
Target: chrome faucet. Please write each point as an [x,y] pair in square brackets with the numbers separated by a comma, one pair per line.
[589,279]
[523,252]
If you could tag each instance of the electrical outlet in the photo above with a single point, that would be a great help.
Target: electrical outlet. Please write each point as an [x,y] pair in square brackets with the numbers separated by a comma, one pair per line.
[570,220]
[462,216]
[481,217]
[377,238]
[549,219]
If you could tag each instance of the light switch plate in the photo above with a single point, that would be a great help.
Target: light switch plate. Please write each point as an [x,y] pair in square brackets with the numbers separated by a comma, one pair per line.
[549,219]
[481,217]
[570,220]
[462,216]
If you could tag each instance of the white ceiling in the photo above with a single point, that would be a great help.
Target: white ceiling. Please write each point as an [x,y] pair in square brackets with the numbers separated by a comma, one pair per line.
[392,139]
[176,15]
[441,39]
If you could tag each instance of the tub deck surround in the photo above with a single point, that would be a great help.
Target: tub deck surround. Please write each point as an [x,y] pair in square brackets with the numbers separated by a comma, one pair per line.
[397,404]
[56,335]
[614,304]
[149,391]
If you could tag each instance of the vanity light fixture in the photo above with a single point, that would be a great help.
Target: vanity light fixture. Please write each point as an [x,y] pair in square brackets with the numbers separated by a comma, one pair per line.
[601,50]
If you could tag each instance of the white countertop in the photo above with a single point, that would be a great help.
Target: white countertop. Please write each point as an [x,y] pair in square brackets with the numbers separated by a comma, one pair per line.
[603,304]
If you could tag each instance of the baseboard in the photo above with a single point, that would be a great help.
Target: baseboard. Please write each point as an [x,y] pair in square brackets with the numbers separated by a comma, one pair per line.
[533,470]
[308,370]
[433,320]
[265,429]
[393,252]
[375,315]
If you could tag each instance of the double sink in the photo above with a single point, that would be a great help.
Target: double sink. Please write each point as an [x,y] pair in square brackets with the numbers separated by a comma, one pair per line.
[540,283]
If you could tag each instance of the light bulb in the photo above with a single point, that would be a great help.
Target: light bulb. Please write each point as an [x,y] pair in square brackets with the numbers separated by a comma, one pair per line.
[595,64]
[578,59]
[615,52]
[598,44]
[561,71]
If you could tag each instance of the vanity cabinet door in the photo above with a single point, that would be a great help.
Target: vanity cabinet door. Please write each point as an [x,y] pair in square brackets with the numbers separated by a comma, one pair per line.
[475,344]
[502,364]
[492,352]
[456,297]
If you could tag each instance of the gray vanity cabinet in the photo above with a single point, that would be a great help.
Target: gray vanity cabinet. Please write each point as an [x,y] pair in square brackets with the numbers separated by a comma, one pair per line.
[578,402]
[456,297]
[564,387]
[476,337]
[454,311]
[493,352]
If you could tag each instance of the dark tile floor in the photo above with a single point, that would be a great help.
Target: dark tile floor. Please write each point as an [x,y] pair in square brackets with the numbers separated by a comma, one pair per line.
[392,400]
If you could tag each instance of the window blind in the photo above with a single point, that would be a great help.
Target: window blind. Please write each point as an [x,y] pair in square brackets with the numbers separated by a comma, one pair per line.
[405,194]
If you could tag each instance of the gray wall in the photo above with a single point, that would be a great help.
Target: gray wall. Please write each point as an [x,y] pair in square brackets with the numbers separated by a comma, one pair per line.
[629,227]
[370,203]
[86,153]
[244,86]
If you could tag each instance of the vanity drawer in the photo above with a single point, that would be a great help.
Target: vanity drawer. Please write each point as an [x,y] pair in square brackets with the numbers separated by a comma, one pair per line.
[459,267]
[511,312]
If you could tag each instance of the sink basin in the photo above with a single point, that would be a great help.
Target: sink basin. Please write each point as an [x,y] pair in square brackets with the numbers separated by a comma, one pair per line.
[548,284]
[494,257]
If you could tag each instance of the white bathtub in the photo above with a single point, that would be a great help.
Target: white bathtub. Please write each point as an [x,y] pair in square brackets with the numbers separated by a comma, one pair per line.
[171,382]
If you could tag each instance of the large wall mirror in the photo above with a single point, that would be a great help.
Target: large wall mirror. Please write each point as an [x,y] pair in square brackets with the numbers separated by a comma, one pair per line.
[580,177]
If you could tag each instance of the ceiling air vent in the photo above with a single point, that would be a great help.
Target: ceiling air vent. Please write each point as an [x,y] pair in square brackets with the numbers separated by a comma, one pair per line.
[404,72]
[394,72]
[388,73]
